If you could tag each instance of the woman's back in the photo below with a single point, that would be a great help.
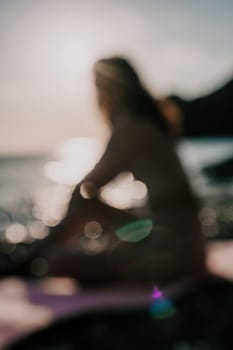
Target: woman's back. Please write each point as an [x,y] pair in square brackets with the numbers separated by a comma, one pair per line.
[150,155]
[175,246]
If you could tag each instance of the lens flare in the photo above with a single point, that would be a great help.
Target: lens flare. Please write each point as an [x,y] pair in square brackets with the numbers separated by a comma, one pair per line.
[135,231]
[161,307]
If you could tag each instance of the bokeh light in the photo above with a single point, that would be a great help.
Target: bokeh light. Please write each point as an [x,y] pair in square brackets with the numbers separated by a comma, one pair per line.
[93,230]
[51,204]
[37,230]
[124,192]
[209,222]
[16,233]
[94,246]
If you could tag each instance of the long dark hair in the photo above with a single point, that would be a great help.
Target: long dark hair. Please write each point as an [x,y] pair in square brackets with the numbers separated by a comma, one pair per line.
[117,72]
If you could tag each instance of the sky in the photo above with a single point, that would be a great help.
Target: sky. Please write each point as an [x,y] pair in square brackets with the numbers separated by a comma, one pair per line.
[48,48]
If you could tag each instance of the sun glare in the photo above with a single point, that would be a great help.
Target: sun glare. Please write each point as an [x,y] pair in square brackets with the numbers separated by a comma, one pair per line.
[77,156]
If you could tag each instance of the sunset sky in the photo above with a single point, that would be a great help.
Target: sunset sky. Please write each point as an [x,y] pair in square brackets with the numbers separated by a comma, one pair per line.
[47,49]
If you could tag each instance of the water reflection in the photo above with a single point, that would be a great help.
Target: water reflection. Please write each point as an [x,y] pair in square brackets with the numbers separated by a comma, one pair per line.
[76,157]
[45,204]
[30,216]
[51,203]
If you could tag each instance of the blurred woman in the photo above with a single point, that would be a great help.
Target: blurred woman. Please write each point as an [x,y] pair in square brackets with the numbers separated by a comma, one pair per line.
[171,248]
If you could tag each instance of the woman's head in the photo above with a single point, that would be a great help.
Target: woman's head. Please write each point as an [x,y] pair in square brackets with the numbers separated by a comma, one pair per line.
[119,89]
[115,79]
[118,71]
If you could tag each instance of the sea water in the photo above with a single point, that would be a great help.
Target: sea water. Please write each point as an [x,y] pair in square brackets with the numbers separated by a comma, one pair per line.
[25,188]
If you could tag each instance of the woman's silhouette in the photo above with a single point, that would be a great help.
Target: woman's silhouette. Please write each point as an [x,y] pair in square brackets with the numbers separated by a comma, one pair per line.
[139,143]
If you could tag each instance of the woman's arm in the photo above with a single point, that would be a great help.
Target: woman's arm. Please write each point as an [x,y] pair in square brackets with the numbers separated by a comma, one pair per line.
[114,160]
